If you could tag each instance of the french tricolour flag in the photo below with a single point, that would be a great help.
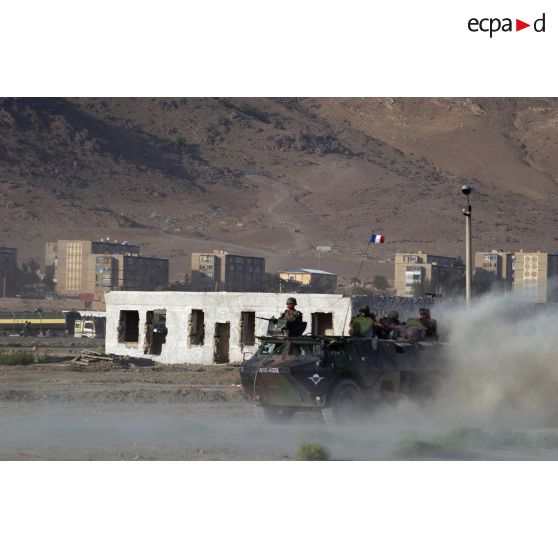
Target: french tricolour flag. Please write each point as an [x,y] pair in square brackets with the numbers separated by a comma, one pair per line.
[377,238]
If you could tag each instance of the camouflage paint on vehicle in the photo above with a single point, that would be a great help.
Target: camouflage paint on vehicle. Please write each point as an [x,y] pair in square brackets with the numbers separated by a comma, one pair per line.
[300,372]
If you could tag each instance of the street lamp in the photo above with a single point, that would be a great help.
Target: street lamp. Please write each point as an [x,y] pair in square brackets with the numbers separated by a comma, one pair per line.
[466,190]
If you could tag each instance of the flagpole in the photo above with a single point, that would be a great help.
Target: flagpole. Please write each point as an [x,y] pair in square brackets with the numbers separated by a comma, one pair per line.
[353,287]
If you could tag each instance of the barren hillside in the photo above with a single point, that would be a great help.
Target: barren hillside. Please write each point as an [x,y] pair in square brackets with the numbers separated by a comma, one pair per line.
[277,177]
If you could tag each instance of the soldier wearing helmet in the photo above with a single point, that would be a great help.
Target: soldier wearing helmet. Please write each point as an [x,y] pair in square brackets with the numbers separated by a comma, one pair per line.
[291,314]
[429,325]
[362,325]
[389,325]
[391,318]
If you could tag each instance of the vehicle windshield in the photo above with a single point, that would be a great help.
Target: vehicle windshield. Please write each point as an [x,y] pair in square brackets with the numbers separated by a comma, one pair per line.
[272,348]
[305,349]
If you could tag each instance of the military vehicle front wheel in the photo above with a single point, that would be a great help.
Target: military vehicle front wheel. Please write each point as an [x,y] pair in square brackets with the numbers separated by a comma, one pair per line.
[345,403]
[274,415]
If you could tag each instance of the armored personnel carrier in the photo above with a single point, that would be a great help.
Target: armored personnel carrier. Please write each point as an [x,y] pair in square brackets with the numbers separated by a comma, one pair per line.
[341,377]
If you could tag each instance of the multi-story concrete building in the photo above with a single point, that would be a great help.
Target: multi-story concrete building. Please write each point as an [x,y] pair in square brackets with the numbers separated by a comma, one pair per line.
[312,277]
[415,270]
[88,267]
[8,266]
[126,272]
[497,265]
[227,272]
[536,276]
[51,261]
[206,271]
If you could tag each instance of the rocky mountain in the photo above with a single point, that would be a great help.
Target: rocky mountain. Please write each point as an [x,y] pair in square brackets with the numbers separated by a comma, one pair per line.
[279,177]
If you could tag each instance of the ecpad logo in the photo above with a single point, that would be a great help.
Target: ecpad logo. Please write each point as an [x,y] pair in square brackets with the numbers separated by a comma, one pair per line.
[493,25]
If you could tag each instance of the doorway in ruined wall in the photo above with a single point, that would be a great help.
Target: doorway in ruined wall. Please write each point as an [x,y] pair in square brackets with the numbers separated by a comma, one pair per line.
[155,331]
[196,328]
[322,323]
[221,342]
[128,326]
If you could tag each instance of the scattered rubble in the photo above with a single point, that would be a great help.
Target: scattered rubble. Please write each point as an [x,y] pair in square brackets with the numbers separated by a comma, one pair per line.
[88,357]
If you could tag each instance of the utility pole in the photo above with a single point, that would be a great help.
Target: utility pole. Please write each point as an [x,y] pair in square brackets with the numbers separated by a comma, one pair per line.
[468,252]
[4,288]
[40,312]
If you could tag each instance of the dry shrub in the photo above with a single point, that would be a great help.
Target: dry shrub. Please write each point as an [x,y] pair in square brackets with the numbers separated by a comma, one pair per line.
[312,452]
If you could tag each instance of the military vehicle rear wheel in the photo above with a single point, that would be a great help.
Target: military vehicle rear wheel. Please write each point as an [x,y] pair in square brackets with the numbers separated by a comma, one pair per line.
[274,415]
[345,403]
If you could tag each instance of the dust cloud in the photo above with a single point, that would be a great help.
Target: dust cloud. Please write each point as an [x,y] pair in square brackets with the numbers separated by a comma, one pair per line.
[497,400]
[502,358]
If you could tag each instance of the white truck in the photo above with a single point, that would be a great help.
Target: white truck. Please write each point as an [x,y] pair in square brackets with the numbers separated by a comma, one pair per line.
[85,328]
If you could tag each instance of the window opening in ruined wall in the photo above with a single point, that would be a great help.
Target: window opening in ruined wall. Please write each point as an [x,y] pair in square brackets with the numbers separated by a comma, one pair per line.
[128,326]
[247,328]
[322,323]
[196,328]
[155,331]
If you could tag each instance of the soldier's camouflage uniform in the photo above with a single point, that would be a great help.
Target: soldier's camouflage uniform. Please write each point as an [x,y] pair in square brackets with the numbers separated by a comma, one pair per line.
[291,315]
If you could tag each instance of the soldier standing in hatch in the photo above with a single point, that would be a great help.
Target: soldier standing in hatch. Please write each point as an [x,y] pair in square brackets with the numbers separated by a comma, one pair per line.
[389,325]
[362,325]
[391,318]
[291,314]
[429,325]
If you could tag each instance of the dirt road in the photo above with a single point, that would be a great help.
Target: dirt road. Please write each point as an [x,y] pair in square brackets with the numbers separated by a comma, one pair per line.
[49,411]
[105,412]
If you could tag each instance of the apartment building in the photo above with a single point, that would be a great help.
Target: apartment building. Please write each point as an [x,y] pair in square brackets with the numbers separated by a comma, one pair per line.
[95,267]
[415,270]
[222,271]
[497,266]
[536,276]
[8,266]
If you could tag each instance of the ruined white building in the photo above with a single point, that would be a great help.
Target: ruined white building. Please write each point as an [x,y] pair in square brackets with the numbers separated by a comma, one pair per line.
[208,327]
